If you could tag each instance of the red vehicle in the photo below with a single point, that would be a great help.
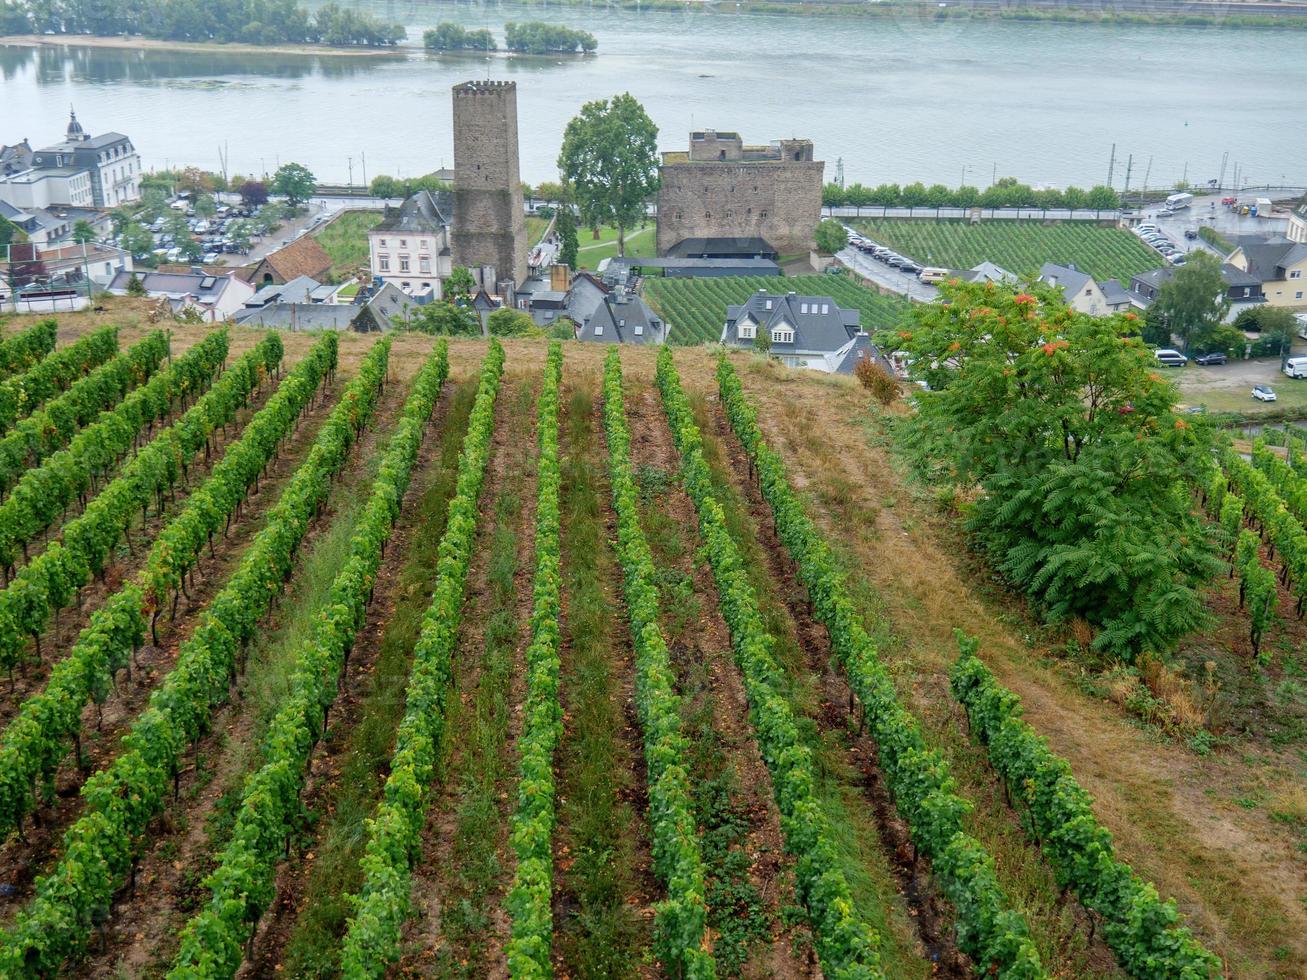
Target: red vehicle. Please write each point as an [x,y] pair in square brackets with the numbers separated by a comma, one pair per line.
[1229,201]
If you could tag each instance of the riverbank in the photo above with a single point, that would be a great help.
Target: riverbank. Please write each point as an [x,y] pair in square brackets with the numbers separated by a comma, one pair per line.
[199,47]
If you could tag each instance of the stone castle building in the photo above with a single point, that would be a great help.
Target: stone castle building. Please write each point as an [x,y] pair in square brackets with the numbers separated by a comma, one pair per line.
[721,188]
[489,213]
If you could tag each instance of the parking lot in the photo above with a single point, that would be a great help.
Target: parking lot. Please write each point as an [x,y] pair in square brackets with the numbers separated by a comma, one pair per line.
[1228,387]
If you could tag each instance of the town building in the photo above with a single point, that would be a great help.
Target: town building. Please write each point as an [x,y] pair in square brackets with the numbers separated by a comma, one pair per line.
[110,160]
[489,234]
[1279,266]
[984,272]
[303,257]
[15,158]
[721,188]
[216,297]
[621,317]
[805,331]
[1083,293]
[45,226]
[411,247]
[1297,231]
[293,306]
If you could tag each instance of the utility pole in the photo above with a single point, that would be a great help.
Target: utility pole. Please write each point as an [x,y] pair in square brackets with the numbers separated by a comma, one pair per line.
[1220,181]
[1185,179]
[351,171]
[839,172]
[363,154]
[1111,166]
[1129,168]
[1147,173]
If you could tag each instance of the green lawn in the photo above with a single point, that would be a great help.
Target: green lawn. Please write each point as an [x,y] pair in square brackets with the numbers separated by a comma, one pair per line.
[696,308]
[590,250]
[346,240]
[1020,247]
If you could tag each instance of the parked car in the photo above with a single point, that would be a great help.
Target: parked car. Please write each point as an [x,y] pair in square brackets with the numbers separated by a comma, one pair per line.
[910,267]
[1191,234]
[1264,393]
[1170,358]
[1215,357]
[1177,258]
[1165,213]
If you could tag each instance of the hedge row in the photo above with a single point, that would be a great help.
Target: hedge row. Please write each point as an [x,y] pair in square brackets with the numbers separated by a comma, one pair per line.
[21,350]
[51,581]
[530,899]
[988,930]
[382,905]
[43,493]
[243,883]
[682,917]
[49,428]
[1143,931]
[846,944]
[118,803]
[24,393]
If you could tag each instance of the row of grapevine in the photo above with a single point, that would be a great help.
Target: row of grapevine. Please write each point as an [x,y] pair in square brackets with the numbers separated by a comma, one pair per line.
[989,931]
[682,917]
[49,724]
[24,393]
[382,905]
[51,581]
[1259,504]
[50,427]
[846,944]
[242,884]
[119,802]
[1022,247]
[20,351]
[1143,931]
[530,898]
[1258,592]
[43,493]
[1288,482]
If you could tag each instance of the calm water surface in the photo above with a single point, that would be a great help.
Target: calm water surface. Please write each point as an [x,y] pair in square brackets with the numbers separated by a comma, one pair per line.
[898,100]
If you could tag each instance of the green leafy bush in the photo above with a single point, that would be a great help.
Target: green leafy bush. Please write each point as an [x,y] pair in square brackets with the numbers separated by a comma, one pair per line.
[23,394]
[20,351]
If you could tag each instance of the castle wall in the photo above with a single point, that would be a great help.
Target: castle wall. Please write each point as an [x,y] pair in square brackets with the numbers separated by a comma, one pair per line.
[779,201]
[489,222]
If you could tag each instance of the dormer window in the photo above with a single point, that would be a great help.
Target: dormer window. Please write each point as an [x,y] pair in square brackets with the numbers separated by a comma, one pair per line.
[825,309]
[784,334]
[767,305]
[747,330]
[803,307]
[599,329]
[639,329]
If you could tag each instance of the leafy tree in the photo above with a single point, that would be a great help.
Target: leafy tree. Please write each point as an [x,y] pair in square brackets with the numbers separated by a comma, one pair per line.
[383,185]
[1192,303]
[153,203]
[915,196]
[444,320]
[1063,424]
[239,233]
[190,250]
[564,328]
[539,37]
[9,232]
[206,206]
[178,227]
[295,182]
[508,322]
[193,180]
[609,161]
[136,241]
[1103,198]
[459,284]
[448,36]
[553,192]
[565,226]
[1276,324]
[119,218]
[831,237]
[762,340]
[83,233]
[254,193]
[1155,330]
[834,196]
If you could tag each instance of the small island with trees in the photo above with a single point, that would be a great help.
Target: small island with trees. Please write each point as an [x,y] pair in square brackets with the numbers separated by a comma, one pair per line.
[527,37]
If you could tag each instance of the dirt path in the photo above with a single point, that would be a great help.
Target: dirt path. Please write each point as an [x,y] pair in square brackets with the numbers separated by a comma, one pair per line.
[141,936]
[604,887]
[127,559]
[459,925]
[740,823]
[318,871]
[1238,876]
[103,728]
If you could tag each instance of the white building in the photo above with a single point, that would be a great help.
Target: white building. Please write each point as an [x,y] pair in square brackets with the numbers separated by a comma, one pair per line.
[33,189]
[110,160]
[411,246]
[216,297]
[805,331]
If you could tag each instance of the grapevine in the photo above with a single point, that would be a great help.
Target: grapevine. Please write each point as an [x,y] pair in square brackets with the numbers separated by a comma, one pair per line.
[20,351]
[24,393]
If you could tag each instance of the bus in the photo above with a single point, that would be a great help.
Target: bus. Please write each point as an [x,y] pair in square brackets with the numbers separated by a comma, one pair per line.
[1177,201]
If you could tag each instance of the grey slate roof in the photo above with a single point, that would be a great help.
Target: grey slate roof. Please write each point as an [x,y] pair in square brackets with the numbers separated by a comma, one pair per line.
[1068,278]
[815,332]
[620,315]
[1266,258]
[205,288]
[424,213]
[299,316]
[1117,294]
[298,290]
[740,248]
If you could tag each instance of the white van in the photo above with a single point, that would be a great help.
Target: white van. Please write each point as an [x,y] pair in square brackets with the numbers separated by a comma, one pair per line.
[1170,358]
[932,274]
[1296,367]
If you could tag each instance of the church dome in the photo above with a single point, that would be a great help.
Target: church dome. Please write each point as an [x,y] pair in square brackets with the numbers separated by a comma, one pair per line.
[75,131]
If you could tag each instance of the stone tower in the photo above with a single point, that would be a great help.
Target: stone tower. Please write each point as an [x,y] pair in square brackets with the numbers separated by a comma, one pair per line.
[489,222]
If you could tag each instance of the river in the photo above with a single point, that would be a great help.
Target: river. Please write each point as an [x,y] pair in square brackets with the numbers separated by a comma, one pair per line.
[896,99]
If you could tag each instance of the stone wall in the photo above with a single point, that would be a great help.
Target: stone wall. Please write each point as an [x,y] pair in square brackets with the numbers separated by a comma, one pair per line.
[489,222]
[779,201]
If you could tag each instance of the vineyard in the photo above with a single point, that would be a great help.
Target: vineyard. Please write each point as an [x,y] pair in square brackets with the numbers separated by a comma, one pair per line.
[1021,247]
[338,655]
[696,308]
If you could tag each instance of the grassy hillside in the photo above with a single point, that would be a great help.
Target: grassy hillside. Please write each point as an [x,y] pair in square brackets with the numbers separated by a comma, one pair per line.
[696,308]
[1020,247]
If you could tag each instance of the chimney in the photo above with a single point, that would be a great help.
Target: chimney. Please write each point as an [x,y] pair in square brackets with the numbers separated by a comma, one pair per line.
[560,277]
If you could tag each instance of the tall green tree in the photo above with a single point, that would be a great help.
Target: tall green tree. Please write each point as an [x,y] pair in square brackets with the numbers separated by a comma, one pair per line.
[459,285]
[569,247]
[206,206]
[444,320]
[1066,436]
[83,233]
[295,182]
[609,162]
[136,240]
[831,236]
[1193,302]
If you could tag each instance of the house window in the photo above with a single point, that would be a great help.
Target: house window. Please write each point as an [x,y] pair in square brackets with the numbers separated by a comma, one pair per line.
[1298,294]
[767,305]
[803,307]
[599,329]
[403,243]
[403,262]
[381,242]
[383,263]
[425,245]
[424,264]
[747,331]
[782,335]
[621,323]
[639,329]
[1295,274]
[825,309]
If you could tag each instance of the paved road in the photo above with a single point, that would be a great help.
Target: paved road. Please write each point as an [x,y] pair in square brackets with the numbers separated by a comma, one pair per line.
[882,275]
[289,230]
[1210,212]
